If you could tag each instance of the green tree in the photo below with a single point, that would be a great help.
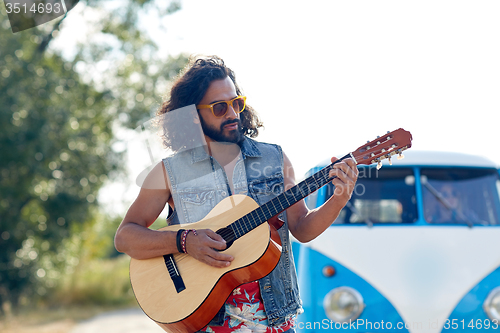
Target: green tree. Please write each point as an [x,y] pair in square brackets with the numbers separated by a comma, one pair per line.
[57,122]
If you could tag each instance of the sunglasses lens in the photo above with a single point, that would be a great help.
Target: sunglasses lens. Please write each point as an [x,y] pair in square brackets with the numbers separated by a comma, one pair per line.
[238,105]
[220,109]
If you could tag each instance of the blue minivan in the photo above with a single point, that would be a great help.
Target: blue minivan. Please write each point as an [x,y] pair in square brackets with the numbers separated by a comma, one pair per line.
[416,249]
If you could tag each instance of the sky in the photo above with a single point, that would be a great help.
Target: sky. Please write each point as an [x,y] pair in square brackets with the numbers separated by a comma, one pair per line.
[327,76]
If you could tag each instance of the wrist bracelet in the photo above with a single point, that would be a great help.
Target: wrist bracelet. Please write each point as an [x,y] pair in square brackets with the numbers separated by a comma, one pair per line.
[179,241]
[183,238]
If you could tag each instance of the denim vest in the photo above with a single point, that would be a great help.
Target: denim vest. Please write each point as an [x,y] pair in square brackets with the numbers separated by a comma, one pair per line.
[198,183]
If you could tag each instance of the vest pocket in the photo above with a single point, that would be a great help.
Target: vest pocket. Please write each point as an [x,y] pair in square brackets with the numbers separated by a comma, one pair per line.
[267,188]
[196,203]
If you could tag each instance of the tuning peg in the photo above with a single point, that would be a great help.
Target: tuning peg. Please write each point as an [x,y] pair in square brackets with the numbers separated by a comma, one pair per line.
[379,163]
[400,156]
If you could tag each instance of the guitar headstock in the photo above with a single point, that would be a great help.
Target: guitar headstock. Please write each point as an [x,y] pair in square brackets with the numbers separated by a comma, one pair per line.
[383,147]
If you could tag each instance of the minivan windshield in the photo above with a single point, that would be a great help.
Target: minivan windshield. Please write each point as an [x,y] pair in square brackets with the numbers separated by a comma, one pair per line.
[461,196]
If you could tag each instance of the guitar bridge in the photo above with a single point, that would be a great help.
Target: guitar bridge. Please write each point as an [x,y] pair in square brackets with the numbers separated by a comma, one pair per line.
[174,272]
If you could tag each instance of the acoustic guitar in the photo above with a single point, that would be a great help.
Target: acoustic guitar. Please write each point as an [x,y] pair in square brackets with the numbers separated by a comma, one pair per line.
[183,294]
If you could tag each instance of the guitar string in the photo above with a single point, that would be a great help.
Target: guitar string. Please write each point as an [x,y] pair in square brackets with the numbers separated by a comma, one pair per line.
[281,202]
[303,187]
[309,185]
[281,199]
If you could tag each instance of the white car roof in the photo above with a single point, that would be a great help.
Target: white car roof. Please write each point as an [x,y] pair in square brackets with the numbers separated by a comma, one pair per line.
[437,158]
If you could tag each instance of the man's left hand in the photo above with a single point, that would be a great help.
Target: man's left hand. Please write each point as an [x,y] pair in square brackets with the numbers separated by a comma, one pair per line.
[346,175]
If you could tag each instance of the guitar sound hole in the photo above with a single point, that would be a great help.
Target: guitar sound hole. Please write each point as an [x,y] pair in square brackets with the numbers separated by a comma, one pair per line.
[228,236]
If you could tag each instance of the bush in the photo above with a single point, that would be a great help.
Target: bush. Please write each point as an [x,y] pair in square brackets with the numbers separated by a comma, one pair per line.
[102,282]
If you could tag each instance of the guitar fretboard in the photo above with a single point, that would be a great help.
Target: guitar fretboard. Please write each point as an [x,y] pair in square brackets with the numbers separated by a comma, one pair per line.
[286,199]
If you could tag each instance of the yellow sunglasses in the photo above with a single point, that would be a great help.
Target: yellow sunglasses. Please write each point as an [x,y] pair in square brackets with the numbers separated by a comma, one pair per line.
[219,109]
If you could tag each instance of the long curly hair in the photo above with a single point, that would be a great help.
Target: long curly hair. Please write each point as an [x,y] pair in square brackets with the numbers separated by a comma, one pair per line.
[190,87]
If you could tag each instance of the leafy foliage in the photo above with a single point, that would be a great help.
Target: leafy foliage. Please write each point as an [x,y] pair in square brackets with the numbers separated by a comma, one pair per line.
[58,117]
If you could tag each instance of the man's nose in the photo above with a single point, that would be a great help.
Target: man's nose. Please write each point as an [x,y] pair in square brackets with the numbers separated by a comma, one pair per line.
[231,113]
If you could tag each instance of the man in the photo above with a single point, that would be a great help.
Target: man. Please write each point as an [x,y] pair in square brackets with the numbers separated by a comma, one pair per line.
[198,178]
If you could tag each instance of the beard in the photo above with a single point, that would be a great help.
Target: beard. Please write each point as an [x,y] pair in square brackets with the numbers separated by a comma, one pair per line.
[217,134]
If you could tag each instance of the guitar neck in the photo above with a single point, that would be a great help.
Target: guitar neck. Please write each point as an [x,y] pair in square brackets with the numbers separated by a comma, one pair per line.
[280,203]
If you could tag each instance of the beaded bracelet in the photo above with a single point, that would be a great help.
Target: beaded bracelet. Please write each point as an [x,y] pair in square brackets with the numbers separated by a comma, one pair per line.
[184,236]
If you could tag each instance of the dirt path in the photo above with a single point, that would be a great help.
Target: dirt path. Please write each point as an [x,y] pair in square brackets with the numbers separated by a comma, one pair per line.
[122,321]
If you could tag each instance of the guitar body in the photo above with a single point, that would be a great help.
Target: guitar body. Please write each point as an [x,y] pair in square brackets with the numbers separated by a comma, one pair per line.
[207,288]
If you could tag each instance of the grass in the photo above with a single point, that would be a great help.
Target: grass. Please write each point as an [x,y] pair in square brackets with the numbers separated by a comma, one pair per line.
[98,282]
[97,286]
[92,287]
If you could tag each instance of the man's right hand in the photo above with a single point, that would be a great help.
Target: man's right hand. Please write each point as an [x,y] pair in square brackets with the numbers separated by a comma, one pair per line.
[204,246]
